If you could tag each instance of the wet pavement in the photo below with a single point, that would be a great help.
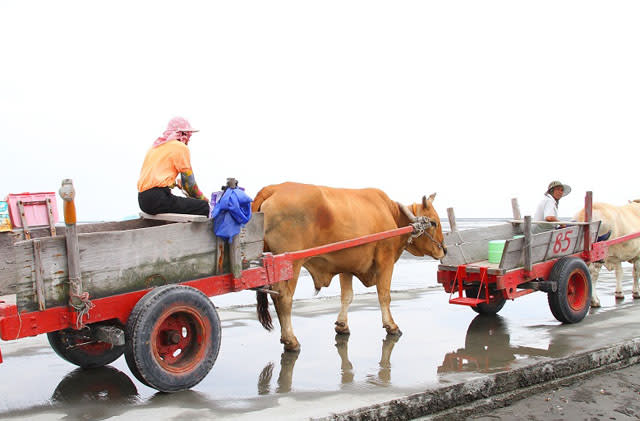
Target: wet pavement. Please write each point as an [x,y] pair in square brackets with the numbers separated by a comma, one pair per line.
[442,344]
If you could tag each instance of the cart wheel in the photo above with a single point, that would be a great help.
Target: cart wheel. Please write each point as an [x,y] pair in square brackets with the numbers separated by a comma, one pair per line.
[571,301]
[79,348]
[172,338]
[492,307]
[128,332]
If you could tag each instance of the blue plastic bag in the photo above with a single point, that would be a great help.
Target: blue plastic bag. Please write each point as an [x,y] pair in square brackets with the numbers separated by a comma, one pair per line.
[231,213]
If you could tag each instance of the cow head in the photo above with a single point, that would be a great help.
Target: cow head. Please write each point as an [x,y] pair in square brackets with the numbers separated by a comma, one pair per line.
[431,241]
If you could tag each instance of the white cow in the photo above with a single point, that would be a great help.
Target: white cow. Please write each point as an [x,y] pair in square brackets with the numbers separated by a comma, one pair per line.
[616,222]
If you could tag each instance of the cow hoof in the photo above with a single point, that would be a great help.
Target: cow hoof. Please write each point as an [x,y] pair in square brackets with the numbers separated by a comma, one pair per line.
[290,346]
[595,304]
[393,332]
[342,328]
[619,296]
[636,295]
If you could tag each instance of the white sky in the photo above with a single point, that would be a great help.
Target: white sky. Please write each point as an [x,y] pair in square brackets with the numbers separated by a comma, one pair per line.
[479,101]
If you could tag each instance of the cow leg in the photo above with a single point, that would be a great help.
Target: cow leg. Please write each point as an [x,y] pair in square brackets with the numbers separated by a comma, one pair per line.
[346,297]
[619,275]
[636,275]
[384,298]
[283,303]
[594,268]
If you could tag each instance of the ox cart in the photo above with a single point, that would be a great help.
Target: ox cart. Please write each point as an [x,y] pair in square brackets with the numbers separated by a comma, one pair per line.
[139,288]
[553,261]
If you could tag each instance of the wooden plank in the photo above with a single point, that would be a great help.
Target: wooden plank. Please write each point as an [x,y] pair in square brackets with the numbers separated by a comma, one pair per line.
[547,223]
[76,287]
[566,241]
[588,215]
[452,219]
[515,207]
[235,257]
[23,219]
[124,261]
[7,263]
[175,217]
[471,245]
[38,275]
[527,249]
[8,239]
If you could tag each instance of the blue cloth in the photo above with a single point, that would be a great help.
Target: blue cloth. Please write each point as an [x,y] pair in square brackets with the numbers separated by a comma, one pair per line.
[230,213]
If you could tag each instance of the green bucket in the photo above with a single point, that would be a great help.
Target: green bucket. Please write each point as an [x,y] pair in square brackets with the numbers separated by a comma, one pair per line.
[496,247]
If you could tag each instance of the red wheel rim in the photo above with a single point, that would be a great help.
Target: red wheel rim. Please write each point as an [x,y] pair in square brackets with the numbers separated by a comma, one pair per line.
[577,289]
[180,338]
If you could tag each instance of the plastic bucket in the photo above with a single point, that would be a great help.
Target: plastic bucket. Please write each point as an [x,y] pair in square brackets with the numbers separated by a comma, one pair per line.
[496,247]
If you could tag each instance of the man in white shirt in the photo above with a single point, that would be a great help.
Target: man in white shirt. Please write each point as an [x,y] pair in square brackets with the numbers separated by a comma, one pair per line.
[547,209]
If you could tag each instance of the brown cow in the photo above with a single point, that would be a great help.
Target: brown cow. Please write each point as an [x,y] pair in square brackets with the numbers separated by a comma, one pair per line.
[301,216]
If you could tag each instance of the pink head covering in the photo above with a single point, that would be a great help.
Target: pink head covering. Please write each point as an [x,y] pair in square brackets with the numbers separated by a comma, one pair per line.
[173,132]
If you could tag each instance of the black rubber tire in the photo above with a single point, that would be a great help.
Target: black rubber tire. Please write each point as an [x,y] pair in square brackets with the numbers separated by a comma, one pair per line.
[572,299]
[490,308]
[147,338]
[95,354]
[128,332]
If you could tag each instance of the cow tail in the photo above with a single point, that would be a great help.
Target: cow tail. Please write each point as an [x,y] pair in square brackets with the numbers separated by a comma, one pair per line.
[263,310]
[262,307]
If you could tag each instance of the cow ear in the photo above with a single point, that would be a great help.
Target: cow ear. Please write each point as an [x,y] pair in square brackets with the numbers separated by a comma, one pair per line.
[427,202]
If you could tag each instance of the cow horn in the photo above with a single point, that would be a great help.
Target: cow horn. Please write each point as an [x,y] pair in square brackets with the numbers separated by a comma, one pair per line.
[407,212]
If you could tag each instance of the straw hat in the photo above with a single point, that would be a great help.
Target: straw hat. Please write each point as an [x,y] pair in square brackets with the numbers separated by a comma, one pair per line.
[554,184]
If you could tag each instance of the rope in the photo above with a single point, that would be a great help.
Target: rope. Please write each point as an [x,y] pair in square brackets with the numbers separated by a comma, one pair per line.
[82,308]
[420,226]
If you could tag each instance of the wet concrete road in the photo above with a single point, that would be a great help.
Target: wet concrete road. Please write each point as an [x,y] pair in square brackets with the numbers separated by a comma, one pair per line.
[609,396]
[253,379]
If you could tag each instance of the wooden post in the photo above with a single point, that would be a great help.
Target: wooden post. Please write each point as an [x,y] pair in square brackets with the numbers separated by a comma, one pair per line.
[23,219]
[39,276]
[68,193]
[515,207]
[588,215]
[527,244]
[235,257]
[452,220]
[52,225]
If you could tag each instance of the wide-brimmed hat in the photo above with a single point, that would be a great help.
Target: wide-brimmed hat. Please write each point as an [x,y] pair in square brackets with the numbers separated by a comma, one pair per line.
[554,184]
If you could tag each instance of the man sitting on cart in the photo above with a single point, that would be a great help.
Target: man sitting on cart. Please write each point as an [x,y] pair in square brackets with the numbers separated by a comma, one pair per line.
[547,209]
[168,157]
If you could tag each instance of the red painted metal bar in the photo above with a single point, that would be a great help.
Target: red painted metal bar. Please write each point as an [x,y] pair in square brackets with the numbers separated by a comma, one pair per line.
[296,255]
[622,239]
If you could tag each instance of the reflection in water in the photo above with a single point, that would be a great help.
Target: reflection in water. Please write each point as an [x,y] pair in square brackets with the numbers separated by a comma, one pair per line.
[487,348]
[346,368]
[287,362]
[384,370]
[96,394]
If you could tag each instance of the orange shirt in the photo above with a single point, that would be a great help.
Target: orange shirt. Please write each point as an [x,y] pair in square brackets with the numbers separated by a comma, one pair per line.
[162,165]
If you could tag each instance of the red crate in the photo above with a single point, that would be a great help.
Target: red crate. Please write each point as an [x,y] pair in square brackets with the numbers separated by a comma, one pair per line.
[35,208]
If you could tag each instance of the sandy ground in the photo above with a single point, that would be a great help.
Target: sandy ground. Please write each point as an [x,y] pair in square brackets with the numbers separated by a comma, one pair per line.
[609,396]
